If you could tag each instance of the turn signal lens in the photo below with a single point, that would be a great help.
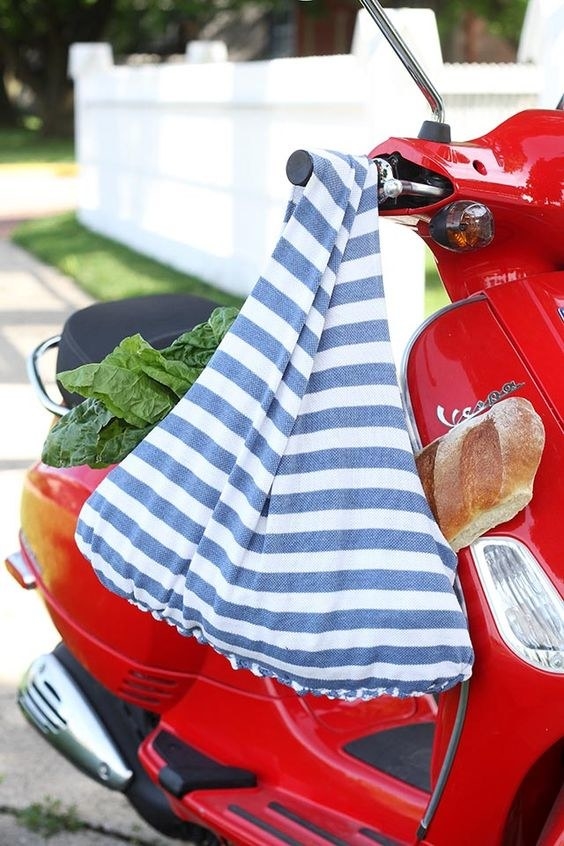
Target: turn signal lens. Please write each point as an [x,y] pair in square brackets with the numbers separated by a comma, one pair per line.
[463,226]
[527,608]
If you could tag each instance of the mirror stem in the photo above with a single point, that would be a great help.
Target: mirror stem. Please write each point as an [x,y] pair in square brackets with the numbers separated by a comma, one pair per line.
[407,58]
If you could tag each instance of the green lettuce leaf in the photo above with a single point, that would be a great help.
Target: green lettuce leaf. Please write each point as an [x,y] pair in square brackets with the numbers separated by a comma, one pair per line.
[128,393]
[134,382]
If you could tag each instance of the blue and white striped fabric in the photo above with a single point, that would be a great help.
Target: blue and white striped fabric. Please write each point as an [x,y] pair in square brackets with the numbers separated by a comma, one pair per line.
[276,512]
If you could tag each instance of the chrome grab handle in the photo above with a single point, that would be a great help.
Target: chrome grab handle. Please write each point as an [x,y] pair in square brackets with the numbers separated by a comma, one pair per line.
[34,376]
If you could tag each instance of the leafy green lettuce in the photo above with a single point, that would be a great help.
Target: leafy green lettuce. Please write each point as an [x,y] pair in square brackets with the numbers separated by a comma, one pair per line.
[128,393]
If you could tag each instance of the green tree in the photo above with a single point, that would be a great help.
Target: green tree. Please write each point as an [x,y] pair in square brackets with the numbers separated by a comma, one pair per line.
[35,36]
[34,39]
[504,18]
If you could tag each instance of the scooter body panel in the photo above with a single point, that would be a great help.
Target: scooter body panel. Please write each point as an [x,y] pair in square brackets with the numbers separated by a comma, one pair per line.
[510,701]
[445,385]
[135,656]
[130,652]
[517,171]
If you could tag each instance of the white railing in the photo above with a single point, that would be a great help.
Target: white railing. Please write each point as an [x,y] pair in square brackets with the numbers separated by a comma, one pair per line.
[186,162]
[479,96]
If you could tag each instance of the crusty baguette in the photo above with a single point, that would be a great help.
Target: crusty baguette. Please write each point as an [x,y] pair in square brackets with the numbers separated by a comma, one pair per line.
[481,472]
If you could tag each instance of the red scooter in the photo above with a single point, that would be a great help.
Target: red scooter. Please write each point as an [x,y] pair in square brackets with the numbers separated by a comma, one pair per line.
[215,755]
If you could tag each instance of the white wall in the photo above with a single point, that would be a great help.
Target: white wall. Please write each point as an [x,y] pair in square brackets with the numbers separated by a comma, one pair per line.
[186,162]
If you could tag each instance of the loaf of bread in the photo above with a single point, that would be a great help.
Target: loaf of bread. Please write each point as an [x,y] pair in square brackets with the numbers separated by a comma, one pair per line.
[481,472]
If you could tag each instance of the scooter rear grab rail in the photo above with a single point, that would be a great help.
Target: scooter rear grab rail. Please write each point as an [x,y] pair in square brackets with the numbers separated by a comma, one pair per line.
[36,380]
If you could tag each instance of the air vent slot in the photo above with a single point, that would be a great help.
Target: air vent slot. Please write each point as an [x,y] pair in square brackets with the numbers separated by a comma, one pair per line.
[149,690]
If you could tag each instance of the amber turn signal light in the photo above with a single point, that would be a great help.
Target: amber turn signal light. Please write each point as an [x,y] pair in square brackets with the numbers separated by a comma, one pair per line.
[463,226]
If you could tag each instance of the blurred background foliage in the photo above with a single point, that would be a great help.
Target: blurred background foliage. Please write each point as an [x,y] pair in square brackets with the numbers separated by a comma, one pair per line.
[35,36]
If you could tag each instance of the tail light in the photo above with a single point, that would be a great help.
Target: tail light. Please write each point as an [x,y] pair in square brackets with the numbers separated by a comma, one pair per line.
[527,608]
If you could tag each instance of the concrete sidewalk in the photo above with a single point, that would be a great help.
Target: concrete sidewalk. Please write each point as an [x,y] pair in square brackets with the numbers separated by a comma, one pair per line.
[34,302]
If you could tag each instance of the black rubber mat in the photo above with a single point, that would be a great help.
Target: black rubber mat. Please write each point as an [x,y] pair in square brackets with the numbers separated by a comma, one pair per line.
[403,752]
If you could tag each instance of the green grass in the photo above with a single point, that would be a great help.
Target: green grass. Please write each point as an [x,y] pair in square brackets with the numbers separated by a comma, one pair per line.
[26,145]
[49,818]
[110,271]
[103,268]
[435,296]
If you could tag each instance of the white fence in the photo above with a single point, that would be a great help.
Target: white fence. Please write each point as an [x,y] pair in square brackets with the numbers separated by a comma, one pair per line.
[186,162]
[478,97]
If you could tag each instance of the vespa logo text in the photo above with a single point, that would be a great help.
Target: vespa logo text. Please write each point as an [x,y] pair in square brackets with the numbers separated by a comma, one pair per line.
[458,415]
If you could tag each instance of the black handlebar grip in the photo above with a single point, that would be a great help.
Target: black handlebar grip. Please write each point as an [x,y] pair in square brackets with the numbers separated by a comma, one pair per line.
[299,167]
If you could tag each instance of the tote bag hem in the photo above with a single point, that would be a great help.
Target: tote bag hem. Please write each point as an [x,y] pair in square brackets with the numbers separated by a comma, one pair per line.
[399,689]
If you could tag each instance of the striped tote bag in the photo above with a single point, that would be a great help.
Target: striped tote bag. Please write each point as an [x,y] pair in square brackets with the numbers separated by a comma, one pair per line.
[276,513]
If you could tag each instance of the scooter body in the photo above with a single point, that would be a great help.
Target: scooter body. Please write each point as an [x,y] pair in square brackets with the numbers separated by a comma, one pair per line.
[247,757]
[502,335]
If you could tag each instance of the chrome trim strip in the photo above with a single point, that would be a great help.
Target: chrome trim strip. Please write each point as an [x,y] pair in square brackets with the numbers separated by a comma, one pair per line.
[34,376]
[448,761]
[412,429]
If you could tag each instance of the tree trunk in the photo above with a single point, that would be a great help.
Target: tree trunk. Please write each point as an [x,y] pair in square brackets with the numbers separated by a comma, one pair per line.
[8,114]
[471,28]
[56,112]
[55,93]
